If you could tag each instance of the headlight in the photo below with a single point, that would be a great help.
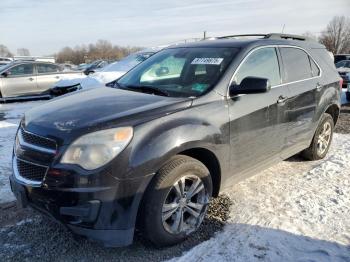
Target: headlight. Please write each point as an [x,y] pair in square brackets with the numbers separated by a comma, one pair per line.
[96,149]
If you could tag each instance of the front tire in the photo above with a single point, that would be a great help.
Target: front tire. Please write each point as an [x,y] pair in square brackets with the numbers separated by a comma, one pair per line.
[322,139]
[176,202]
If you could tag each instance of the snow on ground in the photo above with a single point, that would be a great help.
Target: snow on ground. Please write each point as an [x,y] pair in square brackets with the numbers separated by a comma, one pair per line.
[10,115]
[294,211]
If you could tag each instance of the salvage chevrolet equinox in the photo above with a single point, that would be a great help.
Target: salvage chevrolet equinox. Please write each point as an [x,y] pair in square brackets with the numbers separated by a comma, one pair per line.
[149,152]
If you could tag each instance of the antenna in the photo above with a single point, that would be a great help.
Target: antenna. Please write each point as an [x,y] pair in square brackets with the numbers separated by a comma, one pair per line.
[283,28]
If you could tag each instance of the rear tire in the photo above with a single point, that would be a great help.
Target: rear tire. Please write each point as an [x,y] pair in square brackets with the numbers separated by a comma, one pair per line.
[176,201]
[322,139]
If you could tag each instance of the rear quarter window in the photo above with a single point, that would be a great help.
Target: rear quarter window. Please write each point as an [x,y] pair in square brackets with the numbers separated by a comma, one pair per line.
[296,64]
[314,68]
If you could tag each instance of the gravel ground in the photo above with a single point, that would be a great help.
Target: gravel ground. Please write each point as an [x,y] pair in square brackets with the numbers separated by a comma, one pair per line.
[343,125]
[25,235]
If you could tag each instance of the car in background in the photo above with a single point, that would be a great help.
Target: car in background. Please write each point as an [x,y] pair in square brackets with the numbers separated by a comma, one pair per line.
[341,57]
[68,67]
[26,79]
[343,68]
[5,60]
[96,65]
[108,74]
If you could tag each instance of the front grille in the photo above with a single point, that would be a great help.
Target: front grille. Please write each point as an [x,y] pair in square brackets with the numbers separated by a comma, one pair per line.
[38,140]
[30,171]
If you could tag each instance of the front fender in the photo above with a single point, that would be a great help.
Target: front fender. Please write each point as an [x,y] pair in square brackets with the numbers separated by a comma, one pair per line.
[158,142]
[204,125]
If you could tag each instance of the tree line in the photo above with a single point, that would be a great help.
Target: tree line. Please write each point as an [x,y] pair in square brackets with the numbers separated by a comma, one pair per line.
[102,49]
[336,38]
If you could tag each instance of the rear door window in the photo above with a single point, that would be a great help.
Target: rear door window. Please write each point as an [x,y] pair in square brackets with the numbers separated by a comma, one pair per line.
[296,64]
[47,68]
[261,63]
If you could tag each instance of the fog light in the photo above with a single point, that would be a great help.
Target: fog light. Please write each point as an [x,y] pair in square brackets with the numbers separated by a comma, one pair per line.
[54,172]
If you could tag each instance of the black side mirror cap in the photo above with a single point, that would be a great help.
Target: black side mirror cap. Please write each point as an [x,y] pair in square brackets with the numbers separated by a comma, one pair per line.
[5,74]
[251,85]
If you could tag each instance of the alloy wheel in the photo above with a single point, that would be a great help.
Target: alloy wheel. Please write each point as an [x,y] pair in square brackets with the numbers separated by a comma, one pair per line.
[324,138]
[185,205]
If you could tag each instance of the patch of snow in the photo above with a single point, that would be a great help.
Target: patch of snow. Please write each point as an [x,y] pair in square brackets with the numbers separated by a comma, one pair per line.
[24,221]
[294,211]
[10,115]
[4,124]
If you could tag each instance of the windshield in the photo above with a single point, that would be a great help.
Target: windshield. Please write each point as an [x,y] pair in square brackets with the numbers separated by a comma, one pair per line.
[127,63]
[4,67]
[180,71]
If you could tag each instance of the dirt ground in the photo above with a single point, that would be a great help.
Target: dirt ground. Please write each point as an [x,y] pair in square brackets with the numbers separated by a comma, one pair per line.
[343,124]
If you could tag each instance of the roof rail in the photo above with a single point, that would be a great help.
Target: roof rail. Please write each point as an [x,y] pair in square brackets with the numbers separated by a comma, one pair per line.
[244,35]
[269,36]
[287,36]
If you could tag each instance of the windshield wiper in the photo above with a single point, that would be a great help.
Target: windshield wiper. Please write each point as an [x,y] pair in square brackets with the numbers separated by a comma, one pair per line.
[146,89]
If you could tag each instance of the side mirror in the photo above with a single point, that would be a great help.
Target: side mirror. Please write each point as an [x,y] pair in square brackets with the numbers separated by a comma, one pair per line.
[5,74]
[251,85]
[162,71]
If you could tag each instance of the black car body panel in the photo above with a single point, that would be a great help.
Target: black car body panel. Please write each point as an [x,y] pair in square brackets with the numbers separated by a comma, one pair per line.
[240,135]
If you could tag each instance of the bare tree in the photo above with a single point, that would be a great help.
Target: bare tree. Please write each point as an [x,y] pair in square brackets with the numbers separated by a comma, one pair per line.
[4,51]
[23,52]
[336,37]
[101,50]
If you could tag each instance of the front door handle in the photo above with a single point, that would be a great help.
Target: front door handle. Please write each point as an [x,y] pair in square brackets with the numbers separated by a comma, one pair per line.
[281,99]
[31,79]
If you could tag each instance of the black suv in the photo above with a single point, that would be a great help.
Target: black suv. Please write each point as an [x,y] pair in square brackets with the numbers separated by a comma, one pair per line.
[191,120]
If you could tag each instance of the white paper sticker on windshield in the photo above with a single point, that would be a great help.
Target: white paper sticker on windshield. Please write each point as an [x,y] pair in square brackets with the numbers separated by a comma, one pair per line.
[207,61]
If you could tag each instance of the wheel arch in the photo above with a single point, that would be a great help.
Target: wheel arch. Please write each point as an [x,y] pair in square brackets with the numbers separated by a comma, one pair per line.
[209,159]
[334,111]
[205,156]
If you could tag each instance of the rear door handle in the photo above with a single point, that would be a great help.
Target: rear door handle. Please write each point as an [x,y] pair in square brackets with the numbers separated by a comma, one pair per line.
[318,86]
[30,78]
[281,99]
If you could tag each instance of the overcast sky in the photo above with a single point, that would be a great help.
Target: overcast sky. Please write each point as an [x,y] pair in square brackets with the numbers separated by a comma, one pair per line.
[45,26]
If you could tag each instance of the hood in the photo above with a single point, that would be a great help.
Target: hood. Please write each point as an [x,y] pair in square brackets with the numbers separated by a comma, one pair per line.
[100,79]
[97,79]
[69,82]
[95,109]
